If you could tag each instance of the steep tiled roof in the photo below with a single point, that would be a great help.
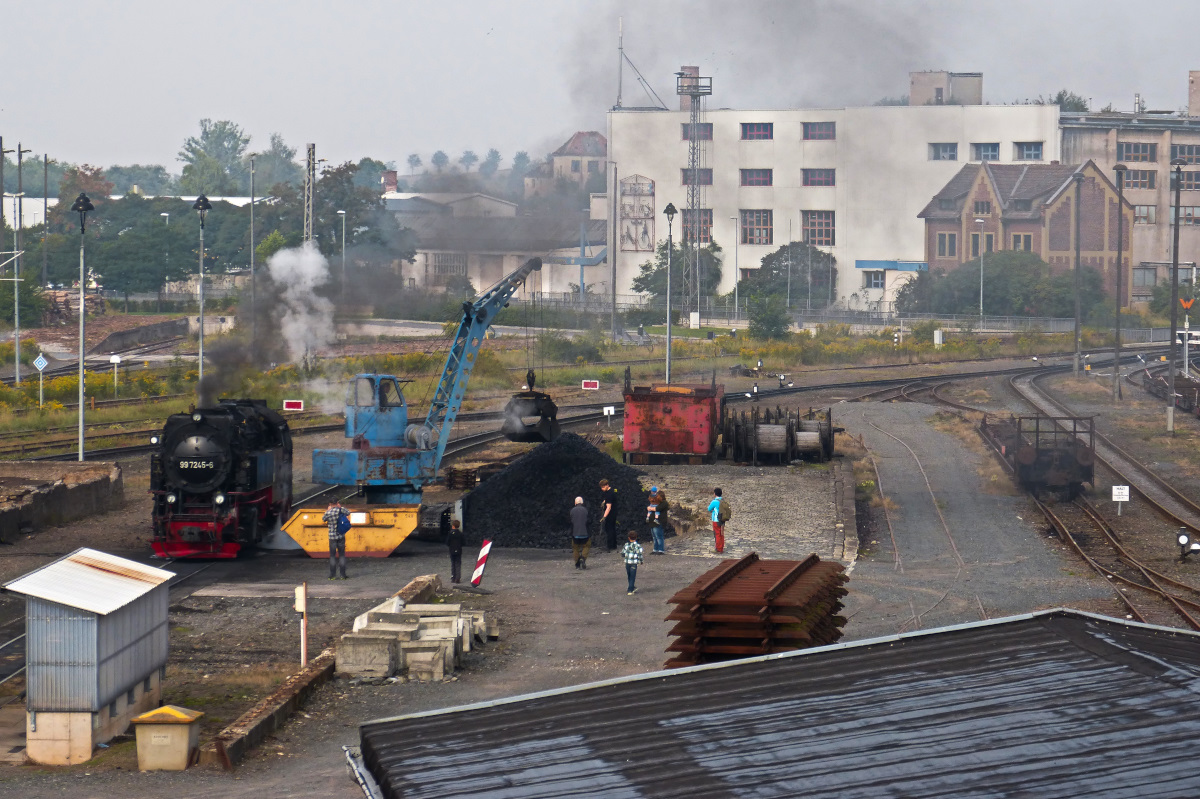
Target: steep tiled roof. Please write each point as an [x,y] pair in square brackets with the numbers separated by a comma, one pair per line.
[588,143]
[1036,183]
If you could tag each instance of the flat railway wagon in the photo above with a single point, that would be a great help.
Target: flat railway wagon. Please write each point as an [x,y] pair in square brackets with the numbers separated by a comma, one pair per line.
[1055,453]
[221,479]
[1187,390]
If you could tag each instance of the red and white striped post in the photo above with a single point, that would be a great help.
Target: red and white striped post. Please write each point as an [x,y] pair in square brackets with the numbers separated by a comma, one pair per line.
[481,563]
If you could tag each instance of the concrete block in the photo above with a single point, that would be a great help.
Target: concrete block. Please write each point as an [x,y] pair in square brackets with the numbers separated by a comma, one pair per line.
[380,617]
[440,625]
[426,660]
[368,654]
[401,632]
[390,605]
[433,610]
[420,589]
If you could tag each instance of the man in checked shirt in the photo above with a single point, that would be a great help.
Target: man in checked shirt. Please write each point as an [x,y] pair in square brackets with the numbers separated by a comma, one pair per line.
[337,538]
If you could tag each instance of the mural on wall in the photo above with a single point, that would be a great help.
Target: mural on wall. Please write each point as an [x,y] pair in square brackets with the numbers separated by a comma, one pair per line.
[637,214]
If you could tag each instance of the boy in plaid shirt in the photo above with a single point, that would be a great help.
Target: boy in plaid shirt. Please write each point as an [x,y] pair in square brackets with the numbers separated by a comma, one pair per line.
[632,555]
[337,539]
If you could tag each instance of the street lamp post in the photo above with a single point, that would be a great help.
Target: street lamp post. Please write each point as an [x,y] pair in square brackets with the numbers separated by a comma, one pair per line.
[115,360]
[1078,178]
[1116,379]
[342,214]
[18,265]
[82,206]
[670,212]
[1178,163]
[202,206]
[980,223]
[253,310]
[167,218]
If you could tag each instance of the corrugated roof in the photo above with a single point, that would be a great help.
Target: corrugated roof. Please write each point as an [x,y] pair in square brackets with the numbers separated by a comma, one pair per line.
[90,580]
[1054,704]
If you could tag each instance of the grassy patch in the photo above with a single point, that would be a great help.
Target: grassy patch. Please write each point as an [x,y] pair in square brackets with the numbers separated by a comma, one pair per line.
[993,476]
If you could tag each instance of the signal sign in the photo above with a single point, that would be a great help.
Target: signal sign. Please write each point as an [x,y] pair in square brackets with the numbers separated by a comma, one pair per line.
[591,385]
[40,362]
[1187,304]
[293,405]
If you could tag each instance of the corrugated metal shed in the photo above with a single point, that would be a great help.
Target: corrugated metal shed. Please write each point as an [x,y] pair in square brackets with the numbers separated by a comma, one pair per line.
[90,580]
[1054,704]
[96,625]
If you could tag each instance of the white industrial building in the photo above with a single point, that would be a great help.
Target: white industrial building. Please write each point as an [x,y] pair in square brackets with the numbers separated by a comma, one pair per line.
[851,181]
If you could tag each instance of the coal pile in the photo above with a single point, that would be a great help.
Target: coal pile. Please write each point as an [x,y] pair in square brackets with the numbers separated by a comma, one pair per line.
[528,504]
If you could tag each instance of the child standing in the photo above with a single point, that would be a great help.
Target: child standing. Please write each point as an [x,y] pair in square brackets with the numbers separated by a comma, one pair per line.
[632,554]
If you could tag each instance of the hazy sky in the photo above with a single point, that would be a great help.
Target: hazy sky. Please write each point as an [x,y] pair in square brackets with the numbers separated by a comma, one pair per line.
[126,82]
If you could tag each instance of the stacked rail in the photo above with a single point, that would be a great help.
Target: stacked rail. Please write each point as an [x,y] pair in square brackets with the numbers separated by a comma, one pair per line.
[751,606]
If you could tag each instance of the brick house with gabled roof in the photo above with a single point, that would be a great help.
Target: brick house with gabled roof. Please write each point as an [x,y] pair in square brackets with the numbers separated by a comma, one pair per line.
[1028,207]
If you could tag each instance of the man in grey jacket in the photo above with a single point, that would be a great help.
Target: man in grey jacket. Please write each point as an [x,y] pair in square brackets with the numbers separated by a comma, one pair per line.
[581,540]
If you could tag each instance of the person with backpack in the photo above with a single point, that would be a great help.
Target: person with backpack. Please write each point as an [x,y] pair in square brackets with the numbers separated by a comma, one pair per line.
[719,509]
[656,515]
[338,519]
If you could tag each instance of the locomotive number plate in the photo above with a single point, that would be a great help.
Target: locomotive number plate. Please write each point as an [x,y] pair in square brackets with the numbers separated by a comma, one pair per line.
[196,464]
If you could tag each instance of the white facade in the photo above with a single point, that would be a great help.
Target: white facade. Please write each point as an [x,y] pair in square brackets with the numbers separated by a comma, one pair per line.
[884,174]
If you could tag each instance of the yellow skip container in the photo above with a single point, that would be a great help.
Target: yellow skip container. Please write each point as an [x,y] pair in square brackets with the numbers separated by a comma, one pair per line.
[375,531]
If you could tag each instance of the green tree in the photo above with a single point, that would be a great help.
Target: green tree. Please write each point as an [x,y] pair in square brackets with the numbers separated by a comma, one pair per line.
[85,179]
[213,160]
[768,316]
[32,174]
[491,163]
[516,175]
[275,165]
[273,243]
[151,179]
[652,275]
[1160,301]
[370,174]
[468,159]
[801,260]
[1069,101]
[414,163]
[439,160]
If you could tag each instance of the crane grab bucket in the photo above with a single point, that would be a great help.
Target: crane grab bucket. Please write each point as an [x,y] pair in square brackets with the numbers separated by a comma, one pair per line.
[530,417]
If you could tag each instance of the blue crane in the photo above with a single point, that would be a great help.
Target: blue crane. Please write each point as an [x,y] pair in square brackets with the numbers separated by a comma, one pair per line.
[390,459]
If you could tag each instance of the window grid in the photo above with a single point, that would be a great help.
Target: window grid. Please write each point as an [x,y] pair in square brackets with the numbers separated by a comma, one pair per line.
[873,279]
[1188,214]
[820,131]
[706,223]
[947,245]
[757,226]
[985,151]
[704,131]
[1145,214]
[705,177]
[983,207]
[819,177]
[1188,152]
[449,263]
[1027,151]
[1140,178]
[943,151]
[758,131]
[1137,151]
[757,177]
[575,166]
[1145,277]
[1189,181]
[819,229]
[1023,241]
[988,241]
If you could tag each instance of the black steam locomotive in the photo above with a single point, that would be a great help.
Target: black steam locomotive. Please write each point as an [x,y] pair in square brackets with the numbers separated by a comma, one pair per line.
[221,479]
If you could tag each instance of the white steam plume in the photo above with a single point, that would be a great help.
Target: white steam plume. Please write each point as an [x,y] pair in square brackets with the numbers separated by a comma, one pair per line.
[305,318]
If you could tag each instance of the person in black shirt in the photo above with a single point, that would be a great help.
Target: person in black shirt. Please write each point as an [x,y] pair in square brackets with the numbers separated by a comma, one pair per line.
[608,498]
[455,541]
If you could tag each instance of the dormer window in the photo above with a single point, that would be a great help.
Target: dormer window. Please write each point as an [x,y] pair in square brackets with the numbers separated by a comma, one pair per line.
[1022,205]
[946,204]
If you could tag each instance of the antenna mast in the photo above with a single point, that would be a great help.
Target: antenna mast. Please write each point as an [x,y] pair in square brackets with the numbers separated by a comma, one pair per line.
[620,56]
[688,83]
[310,181]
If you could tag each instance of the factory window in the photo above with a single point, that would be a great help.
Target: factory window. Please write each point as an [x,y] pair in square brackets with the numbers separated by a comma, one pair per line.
[449,263]
[703,177]
[593,166]
[1145,277]
[706,222]
[575,165]
[1145,214]
[1027,151]
[757,131]
[130,696]
[1188,214]
[873,279]
[818,228]
[1023,241]
[1137,151]
[1140,178]
[947,245]
[943,151]
[983,207]
[703,131]
[757,227]
[820,131]
[757,177]
[1189,181]
[819,177]
[985,151]
[947,204]
[987,244]
[1188,152]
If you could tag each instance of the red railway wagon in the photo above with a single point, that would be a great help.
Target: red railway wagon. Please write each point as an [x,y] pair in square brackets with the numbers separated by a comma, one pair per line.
[672,423]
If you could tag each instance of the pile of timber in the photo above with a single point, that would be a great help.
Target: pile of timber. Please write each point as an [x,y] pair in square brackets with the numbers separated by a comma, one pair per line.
[751,606]
[62,306]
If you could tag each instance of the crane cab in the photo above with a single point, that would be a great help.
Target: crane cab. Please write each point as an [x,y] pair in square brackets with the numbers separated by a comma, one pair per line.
[376,413]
